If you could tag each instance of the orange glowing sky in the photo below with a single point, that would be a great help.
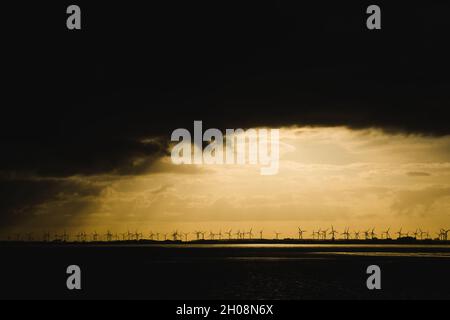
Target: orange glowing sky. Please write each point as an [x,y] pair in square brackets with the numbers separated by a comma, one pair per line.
[327,176]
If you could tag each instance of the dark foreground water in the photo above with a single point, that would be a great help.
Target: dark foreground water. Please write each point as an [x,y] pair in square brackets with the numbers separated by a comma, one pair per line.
[225,271]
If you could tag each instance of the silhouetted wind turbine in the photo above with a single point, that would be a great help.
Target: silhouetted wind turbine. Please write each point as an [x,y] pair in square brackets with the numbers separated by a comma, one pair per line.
[346,234]
[300,233]
[65,237]
[109,236]
[250,234]
[129,235]
[445,234]
[198,234]
[229,233]
[366,234]
[277,234]
[319,234]
[400,234]
[333,233]
[137,235]
[421,233]
[386,233]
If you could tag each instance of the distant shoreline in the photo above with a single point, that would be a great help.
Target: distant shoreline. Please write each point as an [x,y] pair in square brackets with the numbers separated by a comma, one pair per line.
[404,241]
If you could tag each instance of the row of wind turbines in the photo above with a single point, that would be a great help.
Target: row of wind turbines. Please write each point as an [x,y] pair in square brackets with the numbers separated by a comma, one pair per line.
[370,234]
[319,234]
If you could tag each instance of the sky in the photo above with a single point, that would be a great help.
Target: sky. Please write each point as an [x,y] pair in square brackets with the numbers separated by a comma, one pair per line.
[87,116]
[336,176]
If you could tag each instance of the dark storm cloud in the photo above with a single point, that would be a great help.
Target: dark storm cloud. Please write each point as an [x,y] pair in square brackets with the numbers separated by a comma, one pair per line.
[20,198]
[81,103]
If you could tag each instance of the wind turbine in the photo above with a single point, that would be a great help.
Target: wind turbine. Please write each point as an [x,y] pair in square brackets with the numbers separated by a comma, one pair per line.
[175,236]
[357,235]
[229,233]
[366,234]
[386,233]
[445,234]
[300,233]
[324,234]
[65,237]
[277,234]
[211,235]
[400,234]
[250,234]
[373,235]
[129,235]
[109,236]
[137,235]
[186,235]
[238,234]
[421,233]
[261,234]
[95,236]
[346,234]
[198,234]
[333,233]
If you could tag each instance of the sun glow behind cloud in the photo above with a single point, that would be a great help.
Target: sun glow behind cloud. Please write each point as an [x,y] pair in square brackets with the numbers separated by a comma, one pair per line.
[327,176]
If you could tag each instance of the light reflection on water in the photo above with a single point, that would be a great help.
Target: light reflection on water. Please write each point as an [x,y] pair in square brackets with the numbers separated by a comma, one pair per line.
[287,252]
[326,251]
[395,254]
[306,246]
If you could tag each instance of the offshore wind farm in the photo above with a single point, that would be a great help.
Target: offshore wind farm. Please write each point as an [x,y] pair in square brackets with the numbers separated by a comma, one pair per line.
[320,235]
